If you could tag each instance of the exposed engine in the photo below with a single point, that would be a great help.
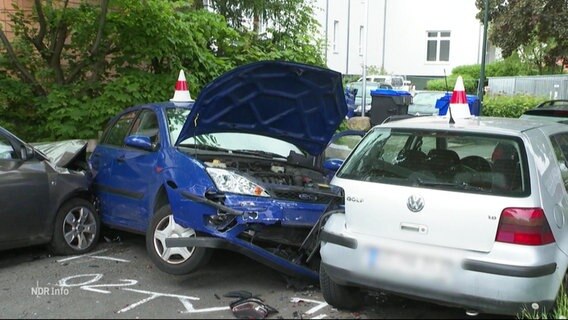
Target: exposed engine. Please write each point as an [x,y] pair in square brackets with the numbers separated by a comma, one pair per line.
[269,171]
[292,180]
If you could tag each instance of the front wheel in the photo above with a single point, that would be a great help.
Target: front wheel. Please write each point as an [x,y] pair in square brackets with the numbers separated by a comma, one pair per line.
[77,228]
[177,260]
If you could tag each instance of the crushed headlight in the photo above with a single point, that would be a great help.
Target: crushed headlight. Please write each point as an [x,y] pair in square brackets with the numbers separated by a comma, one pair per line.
[229,181]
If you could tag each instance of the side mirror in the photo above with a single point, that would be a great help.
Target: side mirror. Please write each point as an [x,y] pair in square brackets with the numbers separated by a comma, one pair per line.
[26,152]
[139,142]
[332,164]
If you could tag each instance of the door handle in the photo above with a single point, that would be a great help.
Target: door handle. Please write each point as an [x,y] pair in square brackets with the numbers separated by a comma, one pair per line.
[120,159]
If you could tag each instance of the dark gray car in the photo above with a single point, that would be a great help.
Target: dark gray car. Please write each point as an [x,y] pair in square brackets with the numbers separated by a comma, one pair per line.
[41,203]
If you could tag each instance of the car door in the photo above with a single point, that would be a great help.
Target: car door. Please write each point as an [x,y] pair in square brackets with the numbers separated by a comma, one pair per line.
[555,200]
[106,153]
[24,195]
[132,176]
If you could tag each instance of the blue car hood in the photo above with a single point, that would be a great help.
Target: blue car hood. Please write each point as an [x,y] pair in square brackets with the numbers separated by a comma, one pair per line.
[298,103]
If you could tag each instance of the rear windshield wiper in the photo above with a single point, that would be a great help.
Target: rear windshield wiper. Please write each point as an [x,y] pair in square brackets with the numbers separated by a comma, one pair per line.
[432,183]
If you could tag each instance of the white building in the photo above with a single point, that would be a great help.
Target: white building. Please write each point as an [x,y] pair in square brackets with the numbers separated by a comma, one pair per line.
[416,38]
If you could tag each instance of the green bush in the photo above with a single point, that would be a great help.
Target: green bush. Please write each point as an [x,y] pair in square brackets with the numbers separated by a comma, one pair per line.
[509,106]
[440,84]
[467,71]
[68,112]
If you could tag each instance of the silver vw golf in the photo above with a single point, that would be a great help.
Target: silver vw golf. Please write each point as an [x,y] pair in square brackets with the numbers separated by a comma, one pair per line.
[471,214]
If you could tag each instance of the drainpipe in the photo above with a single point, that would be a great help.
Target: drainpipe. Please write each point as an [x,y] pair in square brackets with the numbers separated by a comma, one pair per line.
[326,30]
[481,86]
[384,36]
[348,27]
[364,85]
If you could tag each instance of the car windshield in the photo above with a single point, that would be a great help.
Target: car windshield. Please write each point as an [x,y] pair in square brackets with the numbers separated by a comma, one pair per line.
[427,98]
[359,86]
[238,142]
[464,161]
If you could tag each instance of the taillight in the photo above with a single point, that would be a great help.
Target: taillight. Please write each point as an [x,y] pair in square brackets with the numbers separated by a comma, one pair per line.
[527,226]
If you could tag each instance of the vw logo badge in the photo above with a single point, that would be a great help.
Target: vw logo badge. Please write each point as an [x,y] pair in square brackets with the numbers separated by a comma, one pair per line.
[415,203]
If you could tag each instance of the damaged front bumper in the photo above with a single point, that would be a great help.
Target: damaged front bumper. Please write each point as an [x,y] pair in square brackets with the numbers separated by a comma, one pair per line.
[254,252]
[279,233]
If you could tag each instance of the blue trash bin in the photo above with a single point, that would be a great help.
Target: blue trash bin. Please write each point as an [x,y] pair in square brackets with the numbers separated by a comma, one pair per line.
[350,100]
[388,102]
[443,104]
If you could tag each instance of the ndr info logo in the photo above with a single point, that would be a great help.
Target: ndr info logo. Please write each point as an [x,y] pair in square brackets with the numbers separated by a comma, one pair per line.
[49,291]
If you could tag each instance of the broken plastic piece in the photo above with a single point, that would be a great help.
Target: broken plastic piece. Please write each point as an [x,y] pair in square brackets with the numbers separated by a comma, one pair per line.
[241,294]
[251,308]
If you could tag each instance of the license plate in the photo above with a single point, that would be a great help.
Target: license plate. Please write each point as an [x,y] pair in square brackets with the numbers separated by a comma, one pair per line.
[410,266]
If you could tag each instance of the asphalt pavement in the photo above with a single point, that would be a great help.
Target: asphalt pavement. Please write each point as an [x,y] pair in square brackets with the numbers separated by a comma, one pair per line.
[117,280]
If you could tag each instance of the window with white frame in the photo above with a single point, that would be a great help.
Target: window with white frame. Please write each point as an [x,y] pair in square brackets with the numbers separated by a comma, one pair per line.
[438,46]
[361,39]
[335,30]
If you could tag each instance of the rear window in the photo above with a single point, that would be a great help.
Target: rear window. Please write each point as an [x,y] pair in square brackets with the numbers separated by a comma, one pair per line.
[456,161]
[561,113]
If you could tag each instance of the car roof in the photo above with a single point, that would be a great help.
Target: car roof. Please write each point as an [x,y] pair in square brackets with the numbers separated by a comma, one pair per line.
[158,105]
[494,125]
[559,104]
[430,92]
[368,83]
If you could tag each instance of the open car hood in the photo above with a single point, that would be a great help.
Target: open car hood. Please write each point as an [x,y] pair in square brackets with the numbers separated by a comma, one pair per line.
[298,103]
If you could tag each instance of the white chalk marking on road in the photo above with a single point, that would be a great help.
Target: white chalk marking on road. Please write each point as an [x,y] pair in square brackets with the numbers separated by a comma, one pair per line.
[87,286]
[321,316]
[189,309]
[171,295]
[134,305]
[126,282]
[153,295]
[80,256]
[95,277]
[320,304]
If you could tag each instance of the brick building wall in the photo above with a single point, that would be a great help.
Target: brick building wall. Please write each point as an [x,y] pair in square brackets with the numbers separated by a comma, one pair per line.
[6,8]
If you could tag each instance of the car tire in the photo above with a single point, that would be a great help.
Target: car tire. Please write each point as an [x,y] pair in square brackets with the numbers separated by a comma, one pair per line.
[77,228]
[177,261]
[341,297]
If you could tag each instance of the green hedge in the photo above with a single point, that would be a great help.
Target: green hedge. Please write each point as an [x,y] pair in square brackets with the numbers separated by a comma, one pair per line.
[509,106]
[469,83]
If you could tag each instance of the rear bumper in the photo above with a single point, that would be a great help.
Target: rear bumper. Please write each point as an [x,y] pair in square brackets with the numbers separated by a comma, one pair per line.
[467,264]
[486,305]
[502,281]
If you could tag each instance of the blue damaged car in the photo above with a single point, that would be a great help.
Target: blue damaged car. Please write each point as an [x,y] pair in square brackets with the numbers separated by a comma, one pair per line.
[240,168]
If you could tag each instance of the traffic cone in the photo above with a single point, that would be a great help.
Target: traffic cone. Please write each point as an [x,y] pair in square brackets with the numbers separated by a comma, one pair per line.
[459,107]
[182,92]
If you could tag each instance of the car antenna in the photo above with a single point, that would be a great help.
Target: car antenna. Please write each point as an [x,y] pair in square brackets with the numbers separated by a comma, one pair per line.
[446,80]
[452,121]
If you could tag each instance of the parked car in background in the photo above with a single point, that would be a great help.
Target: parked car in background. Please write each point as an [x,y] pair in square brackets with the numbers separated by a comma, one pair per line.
[43,203]
[424,103]
[471,214]
[395,81]
[551,110]
[370,86]
[236,169]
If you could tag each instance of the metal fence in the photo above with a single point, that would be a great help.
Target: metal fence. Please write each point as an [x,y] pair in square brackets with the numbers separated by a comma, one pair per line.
[551,87]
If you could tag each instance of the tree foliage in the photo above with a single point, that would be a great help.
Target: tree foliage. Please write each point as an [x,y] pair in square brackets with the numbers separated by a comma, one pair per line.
[68,68]
[536,29]
[510,66]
